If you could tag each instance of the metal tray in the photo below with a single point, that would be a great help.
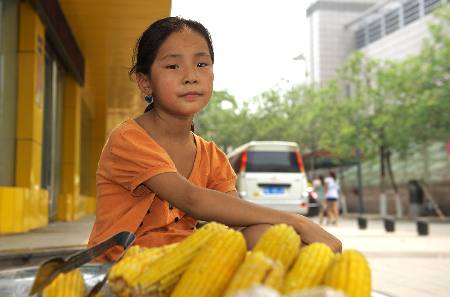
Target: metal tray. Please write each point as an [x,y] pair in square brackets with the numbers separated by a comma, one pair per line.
[17,282]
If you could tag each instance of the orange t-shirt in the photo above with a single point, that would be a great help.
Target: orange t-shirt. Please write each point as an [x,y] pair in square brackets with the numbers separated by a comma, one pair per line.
[131,157]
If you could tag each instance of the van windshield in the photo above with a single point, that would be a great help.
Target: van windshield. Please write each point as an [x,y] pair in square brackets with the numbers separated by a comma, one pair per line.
[261,161]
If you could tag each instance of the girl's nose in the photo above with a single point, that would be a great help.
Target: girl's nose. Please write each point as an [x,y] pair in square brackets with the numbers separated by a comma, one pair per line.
[190,81]
[190,77]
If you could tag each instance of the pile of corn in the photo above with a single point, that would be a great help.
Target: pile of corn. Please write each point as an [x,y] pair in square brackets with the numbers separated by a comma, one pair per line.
[70,284]
[214,262]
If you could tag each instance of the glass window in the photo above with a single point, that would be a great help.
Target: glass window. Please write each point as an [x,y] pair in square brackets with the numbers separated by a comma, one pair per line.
[430,5]
[262,161]
[411,11]
[360,37]
[375,30]
[235,162]
[392,21]
[52,128]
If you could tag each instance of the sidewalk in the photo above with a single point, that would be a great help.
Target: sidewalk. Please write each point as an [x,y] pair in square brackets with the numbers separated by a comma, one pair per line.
[402,263]
[57,239]
[55,235]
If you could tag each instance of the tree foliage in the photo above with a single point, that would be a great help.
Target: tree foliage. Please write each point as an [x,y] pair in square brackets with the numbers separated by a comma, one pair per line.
[372,104]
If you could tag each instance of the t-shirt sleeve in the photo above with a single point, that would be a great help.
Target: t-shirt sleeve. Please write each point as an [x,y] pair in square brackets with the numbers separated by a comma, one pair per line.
[222,177]
[131,157]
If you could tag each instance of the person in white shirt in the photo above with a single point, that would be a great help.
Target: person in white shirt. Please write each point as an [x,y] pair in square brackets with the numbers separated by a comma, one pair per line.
[332,195]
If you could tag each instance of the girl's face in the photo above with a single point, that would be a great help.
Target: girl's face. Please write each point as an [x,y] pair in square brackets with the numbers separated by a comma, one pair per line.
[181,77]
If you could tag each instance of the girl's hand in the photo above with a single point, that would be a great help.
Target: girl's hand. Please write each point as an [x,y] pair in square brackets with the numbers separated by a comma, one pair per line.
[311,232]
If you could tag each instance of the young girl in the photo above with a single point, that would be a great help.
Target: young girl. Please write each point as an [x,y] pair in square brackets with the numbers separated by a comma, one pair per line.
[155,177]
[332,194]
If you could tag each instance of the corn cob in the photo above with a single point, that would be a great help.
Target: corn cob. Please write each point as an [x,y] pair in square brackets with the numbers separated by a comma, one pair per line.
[349,272]
[134,250]
[309,268]
[257,269]
[210,272]
[275,278]
[69,284]
[159,278]
[280,242]
[130,267]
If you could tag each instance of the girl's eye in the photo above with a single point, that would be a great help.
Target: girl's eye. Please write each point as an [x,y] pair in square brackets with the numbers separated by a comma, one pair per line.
[202,64]
[172,66]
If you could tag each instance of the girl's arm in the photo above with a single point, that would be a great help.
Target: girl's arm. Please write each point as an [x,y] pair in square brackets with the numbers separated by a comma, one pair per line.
[210,205]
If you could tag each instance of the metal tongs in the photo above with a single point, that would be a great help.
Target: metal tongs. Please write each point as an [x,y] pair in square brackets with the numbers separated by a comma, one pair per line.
[50,269]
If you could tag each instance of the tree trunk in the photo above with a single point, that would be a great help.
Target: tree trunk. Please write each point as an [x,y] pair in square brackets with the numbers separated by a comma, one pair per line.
[383,202]
[398,203]
[361,207]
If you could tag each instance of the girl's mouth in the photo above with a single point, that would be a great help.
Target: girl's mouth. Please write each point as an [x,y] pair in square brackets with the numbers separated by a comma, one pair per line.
[191,95]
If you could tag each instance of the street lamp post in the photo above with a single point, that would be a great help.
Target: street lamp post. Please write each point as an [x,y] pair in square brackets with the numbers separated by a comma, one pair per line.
[301,57]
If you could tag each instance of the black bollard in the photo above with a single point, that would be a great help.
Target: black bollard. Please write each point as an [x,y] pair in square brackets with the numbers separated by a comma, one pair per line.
[362,223]
[389,224]
[422,227]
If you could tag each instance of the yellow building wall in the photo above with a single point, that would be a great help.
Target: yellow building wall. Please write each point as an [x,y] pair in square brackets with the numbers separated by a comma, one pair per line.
[25,206]
[98,141]
[71,205]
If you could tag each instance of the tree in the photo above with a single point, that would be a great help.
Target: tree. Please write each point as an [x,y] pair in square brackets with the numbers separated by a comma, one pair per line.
[395,105]
[217,121]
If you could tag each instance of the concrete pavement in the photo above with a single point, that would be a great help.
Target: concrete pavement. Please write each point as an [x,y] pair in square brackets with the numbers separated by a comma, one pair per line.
[403,263]
[55,235]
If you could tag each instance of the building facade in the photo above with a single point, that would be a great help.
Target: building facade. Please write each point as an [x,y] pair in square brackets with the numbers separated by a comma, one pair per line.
[63,76]
[386,30]
[392,29]
[329,42]
[383,29]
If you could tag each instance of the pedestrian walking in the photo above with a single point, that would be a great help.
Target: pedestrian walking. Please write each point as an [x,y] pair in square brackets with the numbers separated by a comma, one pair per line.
[155,176]
[319,188]
[332,190]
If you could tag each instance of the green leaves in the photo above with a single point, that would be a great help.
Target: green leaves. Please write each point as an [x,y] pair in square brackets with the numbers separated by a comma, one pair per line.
[397,104]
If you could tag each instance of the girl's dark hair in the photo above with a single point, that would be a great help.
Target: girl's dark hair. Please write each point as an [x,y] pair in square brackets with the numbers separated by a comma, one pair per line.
[148,44]
[333,175]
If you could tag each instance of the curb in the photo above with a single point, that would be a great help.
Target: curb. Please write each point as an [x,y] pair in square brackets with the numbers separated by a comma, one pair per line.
[404,219]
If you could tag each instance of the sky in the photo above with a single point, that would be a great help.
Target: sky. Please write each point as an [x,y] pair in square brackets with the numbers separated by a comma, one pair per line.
[255,42]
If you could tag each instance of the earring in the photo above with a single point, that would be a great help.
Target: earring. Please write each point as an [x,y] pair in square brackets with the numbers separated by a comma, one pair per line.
[149,99]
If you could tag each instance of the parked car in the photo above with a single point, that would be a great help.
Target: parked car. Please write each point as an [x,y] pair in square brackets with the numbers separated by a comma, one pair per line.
[271,173]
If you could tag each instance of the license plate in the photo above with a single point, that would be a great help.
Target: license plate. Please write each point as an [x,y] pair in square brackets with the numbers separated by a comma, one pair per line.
[273,190]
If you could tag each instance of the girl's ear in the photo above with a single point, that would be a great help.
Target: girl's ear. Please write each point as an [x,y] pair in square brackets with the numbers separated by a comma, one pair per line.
[143,83]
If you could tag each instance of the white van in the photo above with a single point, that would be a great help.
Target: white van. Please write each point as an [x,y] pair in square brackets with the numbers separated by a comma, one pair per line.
[271,173]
